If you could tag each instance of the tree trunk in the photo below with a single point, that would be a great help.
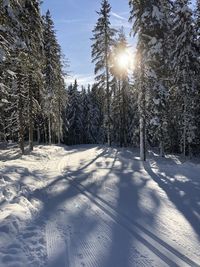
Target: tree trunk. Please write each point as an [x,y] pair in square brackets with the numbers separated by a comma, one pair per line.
[45,133]
[142,139]
[30,115]
[120,114]
[142,110]
[124,133]
[20,112]
[21,126]
[184,129]
[161,141]
[107,92]
[190,151]
[49,124]
[59,123]
[108,109]
[162,148]
[38,135]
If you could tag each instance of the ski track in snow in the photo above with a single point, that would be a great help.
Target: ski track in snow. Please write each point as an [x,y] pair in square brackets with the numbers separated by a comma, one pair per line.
[170,255]
[55,246]
[78,213]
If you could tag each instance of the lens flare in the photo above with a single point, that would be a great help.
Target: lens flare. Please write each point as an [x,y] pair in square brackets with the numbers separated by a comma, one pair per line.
[123,60]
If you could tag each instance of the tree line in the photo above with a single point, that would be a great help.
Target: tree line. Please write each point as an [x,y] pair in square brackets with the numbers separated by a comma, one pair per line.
[155,104]
[32,88]
[164,88]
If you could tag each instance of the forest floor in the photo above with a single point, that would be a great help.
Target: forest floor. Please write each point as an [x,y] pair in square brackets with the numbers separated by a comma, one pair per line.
[92,206]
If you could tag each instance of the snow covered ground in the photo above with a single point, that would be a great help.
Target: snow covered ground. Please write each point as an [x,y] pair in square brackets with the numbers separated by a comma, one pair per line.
[97,206]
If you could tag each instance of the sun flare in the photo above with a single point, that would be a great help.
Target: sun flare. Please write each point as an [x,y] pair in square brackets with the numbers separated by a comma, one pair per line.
[125,60]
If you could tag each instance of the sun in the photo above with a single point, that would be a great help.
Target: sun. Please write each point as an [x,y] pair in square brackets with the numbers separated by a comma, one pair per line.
[123,60]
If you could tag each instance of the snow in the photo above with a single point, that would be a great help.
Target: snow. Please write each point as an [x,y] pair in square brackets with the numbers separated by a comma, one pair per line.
[2,55]
[92,205]
[4,101]
[155,121]
[157,14]
[156,101]
[11,73]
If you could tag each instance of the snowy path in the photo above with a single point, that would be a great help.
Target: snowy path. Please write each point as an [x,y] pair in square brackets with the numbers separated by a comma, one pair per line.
[99,206]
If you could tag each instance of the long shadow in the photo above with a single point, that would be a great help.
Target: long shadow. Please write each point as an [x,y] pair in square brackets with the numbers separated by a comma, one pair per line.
[184,195]
[14,184]
[123,251]
[126,202]
[129,187]
[50,201]
[50,204]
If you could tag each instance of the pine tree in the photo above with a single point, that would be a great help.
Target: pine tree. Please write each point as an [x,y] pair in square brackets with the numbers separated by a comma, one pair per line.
[22,59]
[84,115]
[121,89]
[150,23]
[54,83]
[95,129]
[197,41]
[8,42]
[22,72]
[12,35]
[197,20]
[34,42]
[184,65]
[96,113]
[74,115]
[103,40]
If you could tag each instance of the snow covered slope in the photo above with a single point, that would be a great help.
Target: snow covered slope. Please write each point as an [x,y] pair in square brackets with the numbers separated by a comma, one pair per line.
[97,206]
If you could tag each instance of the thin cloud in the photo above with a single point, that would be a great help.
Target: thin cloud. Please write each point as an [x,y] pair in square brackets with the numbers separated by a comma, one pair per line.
[118,16]
[119,21]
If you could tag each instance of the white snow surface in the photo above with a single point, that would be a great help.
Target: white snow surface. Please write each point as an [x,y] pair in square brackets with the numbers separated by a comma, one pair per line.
[94,206]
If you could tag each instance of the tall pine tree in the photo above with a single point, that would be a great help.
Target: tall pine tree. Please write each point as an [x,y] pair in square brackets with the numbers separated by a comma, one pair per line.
[103,40]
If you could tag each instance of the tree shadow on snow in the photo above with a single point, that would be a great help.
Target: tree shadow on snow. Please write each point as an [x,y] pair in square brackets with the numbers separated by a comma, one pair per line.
[123,194]
[183,193]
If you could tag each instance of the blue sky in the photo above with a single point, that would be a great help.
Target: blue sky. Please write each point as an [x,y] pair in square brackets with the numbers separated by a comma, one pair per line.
[74,21]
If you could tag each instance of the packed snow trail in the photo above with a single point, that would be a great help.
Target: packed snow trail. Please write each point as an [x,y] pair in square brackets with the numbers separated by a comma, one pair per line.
[157,246]
[97,206]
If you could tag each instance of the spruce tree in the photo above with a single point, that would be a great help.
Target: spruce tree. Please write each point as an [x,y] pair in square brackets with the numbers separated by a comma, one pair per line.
[197,20]
[150,23]
[34,42]
[84,115]
[13,31]
[185,63]
[9,38]
[103,40]
[54,89]
[120,97]
[74,115]
[92,118]
[197,41]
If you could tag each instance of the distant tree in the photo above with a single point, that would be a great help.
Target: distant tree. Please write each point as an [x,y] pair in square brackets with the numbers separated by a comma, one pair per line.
[94,127]
[74,115]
